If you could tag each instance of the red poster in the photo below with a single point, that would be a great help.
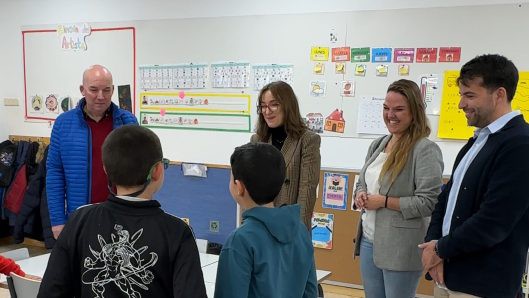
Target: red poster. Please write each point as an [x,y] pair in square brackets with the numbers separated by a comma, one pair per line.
[341,54]
[450,54]
[426,55]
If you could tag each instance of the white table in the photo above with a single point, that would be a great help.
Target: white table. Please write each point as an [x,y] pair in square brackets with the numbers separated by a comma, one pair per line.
[37,266]
[210,273]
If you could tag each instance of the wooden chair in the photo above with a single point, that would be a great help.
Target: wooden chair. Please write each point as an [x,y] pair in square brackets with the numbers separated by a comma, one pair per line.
[21,287]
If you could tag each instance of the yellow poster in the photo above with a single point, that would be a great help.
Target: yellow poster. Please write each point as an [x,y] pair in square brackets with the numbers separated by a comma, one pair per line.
[319,54]
[521,97]
[452,120]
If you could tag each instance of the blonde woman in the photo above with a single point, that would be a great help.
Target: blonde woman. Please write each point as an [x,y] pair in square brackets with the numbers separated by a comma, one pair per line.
[397,191]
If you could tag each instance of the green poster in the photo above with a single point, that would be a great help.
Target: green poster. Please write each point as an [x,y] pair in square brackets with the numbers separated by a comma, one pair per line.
[360,55]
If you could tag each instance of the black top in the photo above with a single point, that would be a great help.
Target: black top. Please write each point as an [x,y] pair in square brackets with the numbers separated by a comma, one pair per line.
[124,249]
[279,135]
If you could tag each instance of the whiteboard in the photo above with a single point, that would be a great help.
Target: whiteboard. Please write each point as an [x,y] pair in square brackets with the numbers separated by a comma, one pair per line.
[50,71]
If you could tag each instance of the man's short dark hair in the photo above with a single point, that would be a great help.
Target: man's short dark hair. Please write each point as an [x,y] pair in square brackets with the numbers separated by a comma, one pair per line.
[129,153]
[495,70]
[261,167]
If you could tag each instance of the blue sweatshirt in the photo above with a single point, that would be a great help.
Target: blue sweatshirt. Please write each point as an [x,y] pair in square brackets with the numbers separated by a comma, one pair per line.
[269,255]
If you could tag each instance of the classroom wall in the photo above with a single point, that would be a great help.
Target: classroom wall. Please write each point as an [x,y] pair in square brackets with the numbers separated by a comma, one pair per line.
[207,147]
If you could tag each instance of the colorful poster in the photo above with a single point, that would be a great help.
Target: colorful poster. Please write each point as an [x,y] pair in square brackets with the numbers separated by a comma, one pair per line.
[322,228]
[431,92]
[369,118]
[360,54]
[403,55]
[426,55]
[335,190]
[319,54]
[124,97]
[196,102]
[452,120]
[196,121]
[314,122]
[341,54]
[521,98]
[335,122]
[72,37]
[348,88]
[380,55]
[449,54]
[317,88]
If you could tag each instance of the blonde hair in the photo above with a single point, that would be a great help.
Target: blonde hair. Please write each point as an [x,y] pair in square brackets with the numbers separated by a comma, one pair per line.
[419,128]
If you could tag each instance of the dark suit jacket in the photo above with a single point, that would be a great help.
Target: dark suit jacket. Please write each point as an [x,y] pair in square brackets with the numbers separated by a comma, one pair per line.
[485,251]
[302,158]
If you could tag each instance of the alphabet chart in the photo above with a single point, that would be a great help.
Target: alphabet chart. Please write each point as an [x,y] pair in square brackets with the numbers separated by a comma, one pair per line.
[181,76]
[267,73]
[230,75]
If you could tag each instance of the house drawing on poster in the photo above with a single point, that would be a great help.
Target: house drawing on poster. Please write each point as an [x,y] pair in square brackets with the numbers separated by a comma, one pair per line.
[315,122]
[335,122]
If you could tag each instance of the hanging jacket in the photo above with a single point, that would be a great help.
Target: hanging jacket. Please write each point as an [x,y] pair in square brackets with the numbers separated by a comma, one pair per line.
[29,218]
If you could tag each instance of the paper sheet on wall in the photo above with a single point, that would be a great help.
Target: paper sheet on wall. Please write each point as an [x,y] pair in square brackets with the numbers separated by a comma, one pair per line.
[452,121]
[430,85]
[335,191]
[230,75]
[267,73]
[369,116]
[521,98]
[179,76]
[322,229]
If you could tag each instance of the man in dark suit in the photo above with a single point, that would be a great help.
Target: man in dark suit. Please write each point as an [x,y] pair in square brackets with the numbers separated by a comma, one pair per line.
[478,237]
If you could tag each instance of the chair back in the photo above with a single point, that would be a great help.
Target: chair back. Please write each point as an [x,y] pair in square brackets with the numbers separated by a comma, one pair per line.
[16,254]
[25,287]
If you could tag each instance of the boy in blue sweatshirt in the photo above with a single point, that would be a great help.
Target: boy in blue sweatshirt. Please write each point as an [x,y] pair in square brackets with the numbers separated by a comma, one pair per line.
[270,254]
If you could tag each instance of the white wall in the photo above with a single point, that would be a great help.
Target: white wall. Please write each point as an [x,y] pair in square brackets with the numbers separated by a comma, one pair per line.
[507,25]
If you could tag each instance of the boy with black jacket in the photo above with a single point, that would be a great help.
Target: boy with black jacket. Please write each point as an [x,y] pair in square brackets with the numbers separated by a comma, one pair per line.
[126,246]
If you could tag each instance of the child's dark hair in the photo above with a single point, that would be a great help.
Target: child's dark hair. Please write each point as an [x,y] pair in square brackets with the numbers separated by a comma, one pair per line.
[261,167]
[129,153]
[495,70]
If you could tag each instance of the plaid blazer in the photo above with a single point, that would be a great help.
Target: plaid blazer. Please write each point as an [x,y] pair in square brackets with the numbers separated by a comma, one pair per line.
[302,159]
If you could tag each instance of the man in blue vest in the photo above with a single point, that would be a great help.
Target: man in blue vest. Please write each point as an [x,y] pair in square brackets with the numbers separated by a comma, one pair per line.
[75,174]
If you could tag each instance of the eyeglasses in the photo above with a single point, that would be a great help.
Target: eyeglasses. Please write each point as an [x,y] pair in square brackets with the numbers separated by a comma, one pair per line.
[273,107]
[165,163]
